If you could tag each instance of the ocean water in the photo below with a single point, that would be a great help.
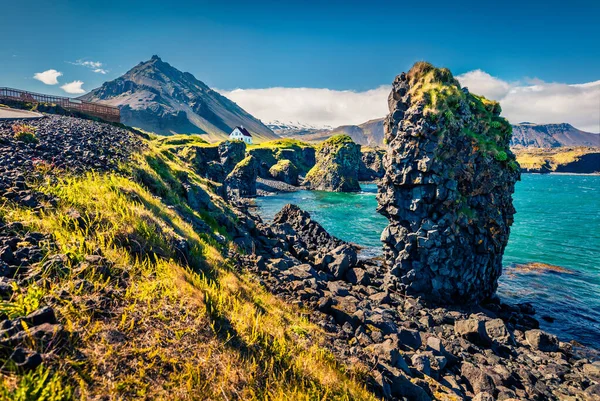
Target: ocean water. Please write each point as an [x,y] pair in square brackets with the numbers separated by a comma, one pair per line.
[557,223]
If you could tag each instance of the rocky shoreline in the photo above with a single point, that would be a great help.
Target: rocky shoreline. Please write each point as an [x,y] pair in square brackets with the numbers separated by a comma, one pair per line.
[414,349]
[409,347]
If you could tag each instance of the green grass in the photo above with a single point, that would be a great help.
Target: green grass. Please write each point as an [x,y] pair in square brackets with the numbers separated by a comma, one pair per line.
[188,329]
[285,143]
[443,98]
[337,141]
[25,133]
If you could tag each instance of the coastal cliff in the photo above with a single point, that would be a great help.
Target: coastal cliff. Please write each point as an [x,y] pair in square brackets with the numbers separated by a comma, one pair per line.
[118,253]
[448,188]
[578,160]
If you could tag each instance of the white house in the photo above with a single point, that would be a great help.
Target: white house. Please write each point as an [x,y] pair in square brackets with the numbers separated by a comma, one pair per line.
[241,134]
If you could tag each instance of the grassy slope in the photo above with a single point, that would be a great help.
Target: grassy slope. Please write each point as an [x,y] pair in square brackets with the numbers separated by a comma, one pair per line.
[536,159]
[200,330]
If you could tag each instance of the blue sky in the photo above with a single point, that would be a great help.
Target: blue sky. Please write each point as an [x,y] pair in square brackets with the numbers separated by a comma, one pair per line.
[349,45]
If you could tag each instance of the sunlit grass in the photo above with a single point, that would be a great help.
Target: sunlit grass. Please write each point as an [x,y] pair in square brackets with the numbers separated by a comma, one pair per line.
[154,325]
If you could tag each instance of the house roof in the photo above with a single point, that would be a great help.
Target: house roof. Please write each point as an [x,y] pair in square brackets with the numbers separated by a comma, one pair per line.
[244,131]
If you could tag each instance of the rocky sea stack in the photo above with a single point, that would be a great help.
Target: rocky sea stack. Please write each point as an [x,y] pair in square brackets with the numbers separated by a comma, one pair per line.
[337,164]
[448,187]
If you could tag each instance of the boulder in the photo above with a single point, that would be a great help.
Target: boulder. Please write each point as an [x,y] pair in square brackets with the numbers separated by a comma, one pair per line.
[540,340]
[447,190]
[344,257]
[472,330]
[294,221]
[336,167]
[284,170]
[477,378]
[496,331]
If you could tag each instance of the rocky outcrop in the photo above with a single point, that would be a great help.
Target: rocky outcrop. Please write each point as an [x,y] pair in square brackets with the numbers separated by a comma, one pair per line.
[371,164]
[268,154]
[447,191]
[579,160]
[492,351]
[336,167]
[285,171]
[215,162]
[241,182]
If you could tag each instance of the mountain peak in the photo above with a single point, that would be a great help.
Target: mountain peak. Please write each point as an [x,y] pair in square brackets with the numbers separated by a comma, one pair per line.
[157,97]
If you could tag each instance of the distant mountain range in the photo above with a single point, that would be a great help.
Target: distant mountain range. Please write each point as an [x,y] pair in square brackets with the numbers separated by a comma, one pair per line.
[524,135]
[289,129]
[157,97]
[551,136]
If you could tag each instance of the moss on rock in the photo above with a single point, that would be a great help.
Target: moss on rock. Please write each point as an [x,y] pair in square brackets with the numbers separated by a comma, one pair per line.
[337,164]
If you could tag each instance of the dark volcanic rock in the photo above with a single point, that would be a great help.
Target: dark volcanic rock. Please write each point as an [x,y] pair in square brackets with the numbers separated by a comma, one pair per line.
[541,340]
[285,171]
[310,232]
[336,169]
[448,188]
[231,153]
[371,164]
[62,143]
[241,182]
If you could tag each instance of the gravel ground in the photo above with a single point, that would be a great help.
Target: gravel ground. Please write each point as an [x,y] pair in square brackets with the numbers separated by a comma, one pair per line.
[59,142]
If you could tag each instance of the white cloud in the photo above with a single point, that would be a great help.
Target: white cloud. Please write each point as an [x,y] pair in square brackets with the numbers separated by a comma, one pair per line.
[317,107]
[95,66]
[73,87]
[540,102]
[531,100]
[49,77]
[482,83]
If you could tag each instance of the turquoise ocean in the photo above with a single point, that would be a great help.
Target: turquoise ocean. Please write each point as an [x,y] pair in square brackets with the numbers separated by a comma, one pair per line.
[557,223]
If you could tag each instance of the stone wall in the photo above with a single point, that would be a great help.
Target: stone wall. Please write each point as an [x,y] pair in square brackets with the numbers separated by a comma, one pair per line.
[447,191]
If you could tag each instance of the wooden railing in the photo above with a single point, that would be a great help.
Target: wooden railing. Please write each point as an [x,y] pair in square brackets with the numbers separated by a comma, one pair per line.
[108,113]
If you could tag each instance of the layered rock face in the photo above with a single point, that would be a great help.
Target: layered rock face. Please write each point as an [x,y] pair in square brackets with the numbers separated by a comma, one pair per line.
[371,166]
[336,168]
[447,191]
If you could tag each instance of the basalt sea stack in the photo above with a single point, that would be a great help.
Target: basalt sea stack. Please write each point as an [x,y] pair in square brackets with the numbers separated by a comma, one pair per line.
[447,191]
